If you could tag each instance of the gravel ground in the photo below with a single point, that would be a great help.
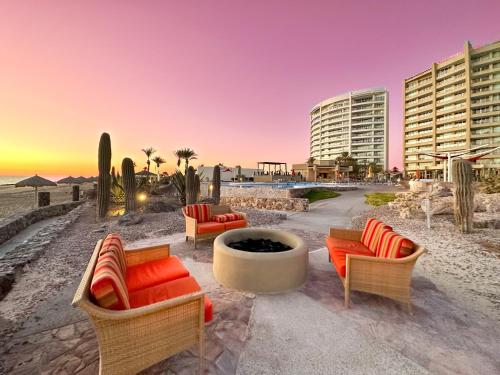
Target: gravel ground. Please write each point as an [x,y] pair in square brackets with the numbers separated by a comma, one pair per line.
[467,266]
[65,259]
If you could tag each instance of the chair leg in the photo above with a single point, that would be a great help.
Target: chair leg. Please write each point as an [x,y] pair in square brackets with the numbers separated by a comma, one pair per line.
[187,238]
[410,308]
[201,351]
[195,242]
[346,298]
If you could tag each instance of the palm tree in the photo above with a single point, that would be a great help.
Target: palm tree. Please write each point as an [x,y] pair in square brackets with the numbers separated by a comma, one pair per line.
[185,154]
[148,151]
[158,160]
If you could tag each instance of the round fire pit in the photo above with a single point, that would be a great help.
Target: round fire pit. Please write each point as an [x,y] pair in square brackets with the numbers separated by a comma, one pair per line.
[260,260]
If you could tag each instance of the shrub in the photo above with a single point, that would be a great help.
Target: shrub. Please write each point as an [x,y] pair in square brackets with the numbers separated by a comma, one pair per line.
[491,185]
[379,199]
[316,195]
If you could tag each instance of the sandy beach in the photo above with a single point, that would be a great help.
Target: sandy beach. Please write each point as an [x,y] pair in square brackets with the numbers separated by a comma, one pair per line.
[15,200]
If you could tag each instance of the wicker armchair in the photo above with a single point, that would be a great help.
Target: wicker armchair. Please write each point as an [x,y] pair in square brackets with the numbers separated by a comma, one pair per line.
[192,223]
[385,277]
[135,339]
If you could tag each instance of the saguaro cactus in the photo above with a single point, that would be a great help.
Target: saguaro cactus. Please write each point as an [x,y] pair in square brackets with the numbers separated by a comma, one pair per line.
[190,186]
[128,178]
[464,195]
[197,186]
[238,175]
[104,180]
[216,185]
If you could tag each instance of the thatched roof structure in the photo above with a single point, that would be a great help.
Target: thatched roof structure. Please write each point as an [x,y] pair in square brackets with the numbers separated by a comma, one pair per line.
[35,181]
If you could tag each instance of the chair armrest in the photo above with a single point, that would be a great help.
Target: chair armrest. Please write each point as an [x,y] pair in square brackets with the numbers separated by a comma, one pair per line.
[346,234]
[406,260]
[146,254]
[191,225]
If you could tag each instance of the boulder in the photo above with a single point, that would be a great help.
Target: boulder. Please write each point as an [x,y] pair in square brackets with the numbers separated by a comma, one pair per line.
[130,219]
[441,206]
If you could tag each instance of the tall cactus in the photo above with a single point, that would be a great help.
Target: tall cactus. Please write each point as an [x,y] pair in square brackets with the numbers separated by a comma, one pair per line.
[197,186]
[464,194]
[190,186]
[104,180]
[238,176]
[216,185]
[128,178]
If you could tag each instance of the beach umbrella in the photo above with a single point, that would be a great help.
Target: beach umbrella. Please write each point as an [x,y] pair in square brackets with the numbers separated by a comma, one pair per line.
[80,180]
[67,180]
[36,181]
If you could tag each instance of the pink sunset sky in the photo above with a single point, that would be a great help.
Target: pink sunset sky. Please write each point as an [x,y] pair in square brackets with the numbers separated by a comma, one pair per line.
[234,80]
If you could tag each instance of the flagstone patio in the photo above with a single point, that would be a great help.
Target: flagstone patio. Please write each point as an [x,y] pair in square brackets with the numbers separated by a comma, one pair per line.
[306,331]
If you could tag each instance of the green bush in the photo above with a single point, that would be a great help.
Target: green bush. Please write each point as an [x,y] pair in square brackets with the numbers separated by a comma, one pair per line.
[379,199]
[316,195]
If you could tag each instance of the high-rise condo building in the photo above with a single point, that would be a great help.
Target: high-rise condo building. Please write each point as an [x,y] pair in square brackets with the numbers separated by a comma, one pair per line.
[453,106]
[355,122]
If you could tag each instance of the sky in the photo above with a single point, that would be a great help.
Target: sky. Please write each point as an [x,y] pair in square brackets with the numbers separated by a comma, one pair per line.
[234,80]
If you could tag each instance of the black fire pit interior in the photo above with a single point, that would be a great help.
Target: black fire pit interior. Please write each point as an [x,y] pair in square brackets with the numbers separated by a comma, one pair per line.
[259,246]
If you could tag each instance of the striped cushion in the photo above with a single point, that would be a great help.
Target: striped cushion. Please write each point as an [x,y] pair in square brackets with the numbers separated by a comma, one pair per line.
[200,212]
[227,217]
[108,285]
[372,232]
[393,245]
[113,243]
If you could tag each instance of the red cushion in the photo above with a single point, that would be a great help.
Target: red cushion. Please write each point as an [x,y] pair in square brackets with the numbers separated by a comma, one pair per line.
[393,245]
[222,218]
[155,272]
[171,289]
[339,260]
[339,243]
[235,224]
[372,232]
[108,286]
[113,243]
[200,212]
[210,227]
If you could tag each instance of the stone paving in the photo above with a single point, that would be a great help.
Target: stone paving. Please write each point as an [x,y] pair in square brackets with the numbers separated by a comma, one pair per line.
[441,336]
[30,250]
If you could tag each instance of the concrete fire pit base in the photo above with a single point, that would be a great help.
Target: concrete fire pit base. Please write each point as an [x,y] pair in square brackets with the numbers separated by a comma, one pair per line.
[260,272]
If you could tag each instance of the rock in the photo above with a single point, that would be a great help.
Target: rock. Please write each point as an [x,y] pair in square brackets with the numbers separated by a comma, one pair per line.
[439,190]
[160,206]
[442,206]
[405,213]
[419,186]
[130,219]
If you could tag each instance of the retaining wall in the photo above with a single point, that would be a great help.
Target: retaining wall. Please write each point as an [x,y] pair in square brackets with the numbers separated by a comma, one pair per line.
[12,225]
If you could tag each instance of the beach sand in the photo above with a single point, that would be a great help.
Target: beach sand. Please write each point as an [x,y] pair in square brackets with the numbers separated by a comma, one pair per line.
[16,200]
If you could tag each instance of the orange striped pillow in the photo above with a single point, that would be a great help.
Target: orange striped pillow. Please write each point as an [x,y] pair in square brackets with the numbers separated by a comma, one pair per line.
[372,232]
[113,243]
[108,284]
[200,212]
[393,245]
[223,218]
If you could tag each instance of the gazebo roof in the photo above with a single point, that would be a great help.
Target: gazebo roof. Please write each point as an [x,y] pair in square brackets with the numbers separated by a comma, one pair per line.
[35,181]
[271,162]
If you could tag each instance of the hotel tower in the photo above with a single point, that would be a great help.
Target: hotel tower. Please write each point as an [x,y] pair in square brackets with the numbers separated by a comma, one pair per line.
[355,122]
[452,106]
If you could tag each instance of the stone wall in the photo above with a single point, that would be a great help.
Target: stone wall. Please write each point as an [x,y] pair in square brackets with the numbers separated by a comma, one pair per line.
[279,204]
[14,260]
[269,192]
[12,225]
